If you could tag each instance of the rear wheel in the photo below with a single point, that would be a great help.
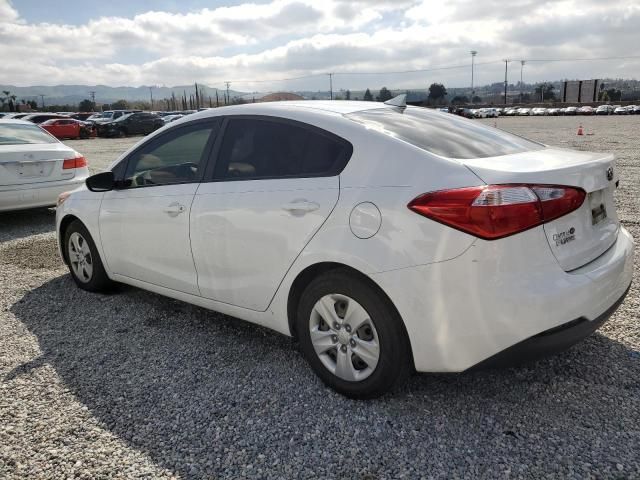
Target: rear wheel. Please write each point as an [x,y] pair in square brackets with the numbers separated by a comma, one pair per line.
[83,259]
[352,338]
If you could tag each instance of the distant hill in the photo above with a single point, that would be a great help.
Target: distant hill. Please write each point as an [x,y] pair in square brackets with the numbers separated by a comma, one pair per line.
[74,94]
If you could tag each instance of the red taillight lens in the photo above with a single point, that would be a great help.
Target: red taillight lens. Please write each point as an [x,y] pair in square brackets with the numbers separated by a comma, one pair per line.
[496,211]
[77,162]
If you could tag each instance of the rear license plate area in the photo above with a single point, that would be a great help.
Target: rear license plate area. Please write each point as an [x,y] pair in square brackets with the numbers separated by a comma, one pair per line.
[597,205]
[32,169]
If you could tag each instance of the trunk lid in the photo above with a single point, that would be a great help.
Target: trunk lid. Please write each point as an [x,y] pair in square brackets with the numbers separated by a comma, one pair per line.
[34,163]
[584,234]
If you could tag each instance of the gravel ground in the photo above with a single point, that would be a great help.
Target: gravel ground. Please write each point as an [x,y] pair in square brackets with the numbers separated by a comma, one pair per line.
[134,385]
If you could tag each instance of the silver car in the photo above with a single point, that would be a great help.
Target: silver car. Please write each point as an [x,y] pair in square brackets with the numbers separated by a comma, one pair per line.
[35,167]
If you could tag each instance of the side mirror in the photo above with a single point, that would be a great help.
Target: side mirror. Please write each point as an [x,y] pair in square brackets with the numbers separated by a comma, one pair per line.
[101,182]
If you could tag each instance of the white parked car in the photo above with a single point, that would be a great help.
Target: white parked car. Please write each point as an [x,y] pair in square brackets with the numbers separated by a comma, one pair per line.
[586,110]
[385,238]
[171,118]
[604,110]
[491,112]
[524,111]
[621,111]
[35,167]
[539,111]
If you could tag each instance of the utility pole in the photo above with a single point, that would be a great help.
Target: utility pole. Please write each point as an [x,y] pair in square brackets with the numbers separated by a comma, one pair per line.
[42,98]
[151,93]
[330,86]
[228,98]
[506,64]
[92,94]
[522,62]
[473,56]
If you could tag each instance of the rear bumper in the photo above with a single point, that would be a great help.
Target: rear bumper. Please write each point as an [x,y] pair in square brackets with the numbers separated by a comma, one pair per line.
[461,312]
[549,342]
[37,195]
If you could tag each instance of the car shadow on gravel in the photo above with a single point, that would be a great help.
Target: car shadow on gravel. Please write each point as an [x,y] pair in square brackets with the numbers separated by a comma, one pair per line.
[24,223]
[207,395]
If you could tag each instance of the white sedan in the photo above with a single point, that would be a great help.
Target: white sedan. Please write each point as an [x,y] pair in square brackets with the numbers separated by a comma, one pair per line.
[385,238]
[35,167]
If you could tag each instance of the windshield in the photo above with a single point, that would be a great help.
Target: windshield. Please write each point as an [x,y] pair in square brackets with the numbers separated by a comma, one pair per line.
[443,134]
[15,134]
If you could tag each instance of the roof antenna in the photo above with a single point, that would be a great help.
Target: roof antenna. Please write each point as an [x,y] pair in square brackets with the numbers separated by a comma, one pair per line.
[399,101]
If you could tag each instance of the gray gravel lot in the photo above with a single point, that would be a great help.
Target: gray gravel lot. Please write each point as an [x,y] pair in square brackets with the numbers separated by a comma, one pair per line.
[134,385]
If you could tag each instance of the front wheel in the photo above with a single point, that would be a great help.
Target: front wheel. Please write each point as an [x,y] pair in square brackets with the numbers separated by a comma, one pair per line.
[83,259]
[351,336]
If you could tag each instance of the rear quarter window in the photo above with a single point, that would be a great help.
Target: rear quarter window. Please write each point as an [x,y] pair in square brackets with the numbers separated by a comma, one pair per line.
[16,134]
[443,134]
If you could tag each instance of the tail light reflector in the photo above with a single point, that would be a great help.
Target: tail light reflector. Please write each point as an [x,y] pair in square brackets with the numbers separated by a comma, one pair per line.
[77,162]
[497,211]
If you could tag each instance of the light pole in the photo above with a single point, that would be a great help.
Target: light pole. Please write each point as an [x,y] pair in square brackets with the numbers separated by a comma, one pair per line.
[473,56]
[151,93]
[330,86]
[506,63]
[522,62]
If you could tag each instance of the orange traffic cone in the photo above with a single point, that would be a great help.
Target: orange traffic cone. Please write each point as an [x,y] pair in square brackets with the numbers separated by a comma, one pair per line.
[580,132]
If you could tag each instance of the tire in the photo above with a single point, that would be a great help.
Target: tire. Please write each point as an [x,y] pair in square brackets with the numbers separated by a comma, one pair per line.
[89,274]
[355,377]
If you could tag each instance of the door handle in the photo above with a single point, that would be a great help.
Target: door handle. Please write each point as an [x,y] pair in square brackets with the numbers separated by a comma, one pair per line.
[174,209]
[300,207]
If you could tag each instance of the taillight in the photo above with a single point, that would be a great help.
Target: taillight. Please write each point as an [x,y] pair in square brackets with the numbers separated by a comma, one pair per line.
[496,211]
[77,162]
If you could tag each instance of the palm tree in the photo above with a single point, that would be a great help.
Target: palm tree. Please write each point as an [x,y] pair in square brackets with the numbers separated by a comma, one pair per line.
[4,99]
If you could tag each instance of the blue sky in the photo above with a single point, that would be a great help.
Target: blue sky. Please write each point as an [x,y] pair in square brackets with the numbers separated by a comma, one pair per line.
[77,12]
[257,43]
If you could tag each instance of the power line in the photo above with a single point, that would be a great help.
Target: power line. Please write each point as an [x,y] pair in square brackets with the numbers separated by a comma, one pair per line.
[629,57]
[418,70]
[282,79]
[425,70]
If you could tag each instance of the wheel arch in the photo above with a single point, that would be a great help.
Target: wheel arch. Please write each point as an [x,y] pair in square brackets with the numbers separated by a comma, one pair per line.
[64,224]
[308,274]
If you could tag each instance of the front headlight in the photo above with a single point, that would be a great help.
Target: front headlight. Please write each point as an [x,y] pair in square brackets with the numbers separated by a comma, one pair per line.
[62,198]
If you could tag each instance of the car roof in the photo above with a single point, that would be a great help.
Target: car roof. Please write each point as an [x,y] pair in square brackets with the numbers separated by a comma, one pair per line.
[335,107]
[40,114]
[13,121]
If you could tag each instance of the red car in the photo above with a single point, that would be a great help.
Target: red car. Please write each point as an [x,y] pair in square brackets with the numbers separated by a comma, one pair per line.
[66,128]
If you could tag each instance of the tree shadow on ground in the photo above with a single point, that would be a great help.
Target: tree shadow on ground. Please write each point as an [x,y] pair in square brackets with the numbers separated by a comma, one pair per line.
[207,395]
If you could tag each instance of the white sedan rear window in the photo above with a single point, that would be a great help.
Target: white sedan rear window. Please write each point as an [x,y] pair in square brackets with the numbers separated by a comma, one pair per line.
[443,134]
[17,134]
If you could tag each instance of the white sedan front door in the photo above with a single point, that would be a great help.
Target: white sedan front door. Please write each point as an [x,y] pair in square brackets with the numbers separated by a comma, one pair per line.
[144,225]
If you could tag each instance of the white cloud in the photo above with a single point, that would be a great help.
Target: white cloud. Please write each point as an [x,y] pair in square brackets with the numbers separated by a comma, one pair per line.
[285,38]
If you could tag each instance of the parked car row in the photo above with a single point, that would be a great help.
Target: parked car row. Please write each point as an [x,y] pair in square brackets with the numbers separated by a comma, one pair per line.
[474,112]
[584,110]
[110,123]
[542,111]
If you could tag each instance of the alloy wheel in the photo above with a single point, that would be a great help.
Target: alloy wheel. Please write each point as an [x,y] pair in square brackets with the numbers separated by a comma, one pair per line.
[79,255]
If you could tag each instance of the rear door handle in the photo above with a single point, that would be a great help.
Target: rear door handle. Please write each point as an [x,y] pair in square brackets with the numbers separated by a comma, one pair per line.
[174,209]
[300,207]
